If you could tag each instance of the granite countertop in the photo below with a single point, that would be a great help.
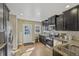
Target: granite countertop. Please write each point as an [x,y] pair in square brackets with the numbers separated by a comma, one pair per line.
[60,52]
[62,40]
[67,49]
[2,45]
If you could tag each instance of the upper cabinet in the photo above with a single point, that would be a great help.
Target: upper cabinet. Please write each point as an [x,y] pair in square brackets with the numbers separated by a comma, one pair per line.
[45,23]
[67,21]
[78,18]
[60,22]
[71,19]
[52,20]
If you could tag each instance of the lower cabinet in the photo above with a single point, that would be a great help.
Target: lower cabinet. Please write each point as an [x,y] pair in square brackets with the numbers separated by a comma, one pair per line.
[45,41]
[55,53]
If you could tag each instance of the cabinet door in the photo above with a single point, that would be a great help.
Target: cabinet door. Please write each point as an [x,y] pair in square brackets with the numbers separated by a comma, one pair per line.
[50,21]
[78,19]
[66,20]
[46,22]
[70,19]
[53,20]
[59,23]
[73,19]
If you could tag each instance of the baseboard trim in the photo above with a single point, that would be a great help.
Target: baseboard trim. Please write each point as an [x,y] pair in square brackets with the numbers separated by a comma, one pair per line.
[30,43]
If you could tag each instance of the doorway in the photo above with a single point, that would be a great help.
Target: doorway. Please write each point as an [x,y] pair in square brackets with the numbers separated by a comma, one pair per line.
[27,33]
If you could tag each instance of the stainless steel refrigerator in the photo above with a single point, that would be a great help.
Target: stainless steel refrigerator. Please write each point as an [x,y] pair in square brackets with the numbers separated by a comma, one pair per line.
[4,18]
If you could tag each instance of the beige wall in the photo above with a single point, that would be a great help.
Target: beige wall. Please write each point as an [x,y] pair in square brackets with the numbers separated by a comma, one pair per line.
[13,25]
[20,29]
[16,26]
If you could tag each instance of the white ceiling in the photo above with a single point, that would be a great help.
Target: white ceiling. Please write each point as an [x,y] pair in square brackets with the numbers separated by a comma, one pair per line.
[37,11]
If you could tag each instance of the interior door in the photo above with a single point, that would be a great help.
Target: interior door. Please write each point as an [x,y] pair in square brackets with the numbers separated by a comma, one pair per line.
[27,33]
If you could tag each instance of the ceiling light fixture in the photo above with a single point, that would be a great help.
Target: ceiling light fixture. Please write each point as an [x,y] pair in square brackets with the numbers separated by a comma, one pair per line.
[67,6]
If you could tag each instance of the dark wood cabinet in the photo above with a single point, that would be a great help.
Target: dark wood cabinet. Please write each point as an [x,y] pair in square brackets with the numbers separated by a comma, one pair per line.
[45,23]
[71,19]
[43,39]
[74,18]
[52,20]
[60,22]
[78,19]
[67,21]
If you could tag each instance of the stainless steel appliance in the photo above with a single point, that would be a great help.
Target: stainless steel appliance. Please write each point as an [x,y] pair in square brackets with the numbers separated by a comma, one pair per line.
[4,18]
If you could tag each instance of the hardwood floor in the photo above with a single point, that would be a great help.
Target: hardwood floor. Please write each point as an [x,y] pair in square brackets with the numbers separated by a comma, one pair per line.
[39,50]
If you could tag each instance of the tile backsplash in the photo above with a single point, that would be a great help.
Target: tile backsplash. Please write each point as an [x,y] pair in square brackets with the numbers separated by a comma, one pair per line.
[74,34]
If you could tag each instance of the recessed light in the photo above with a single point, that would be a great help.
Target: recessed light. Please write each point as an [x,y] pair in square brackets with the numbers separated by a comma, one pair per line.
[21,14]
[67,6]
